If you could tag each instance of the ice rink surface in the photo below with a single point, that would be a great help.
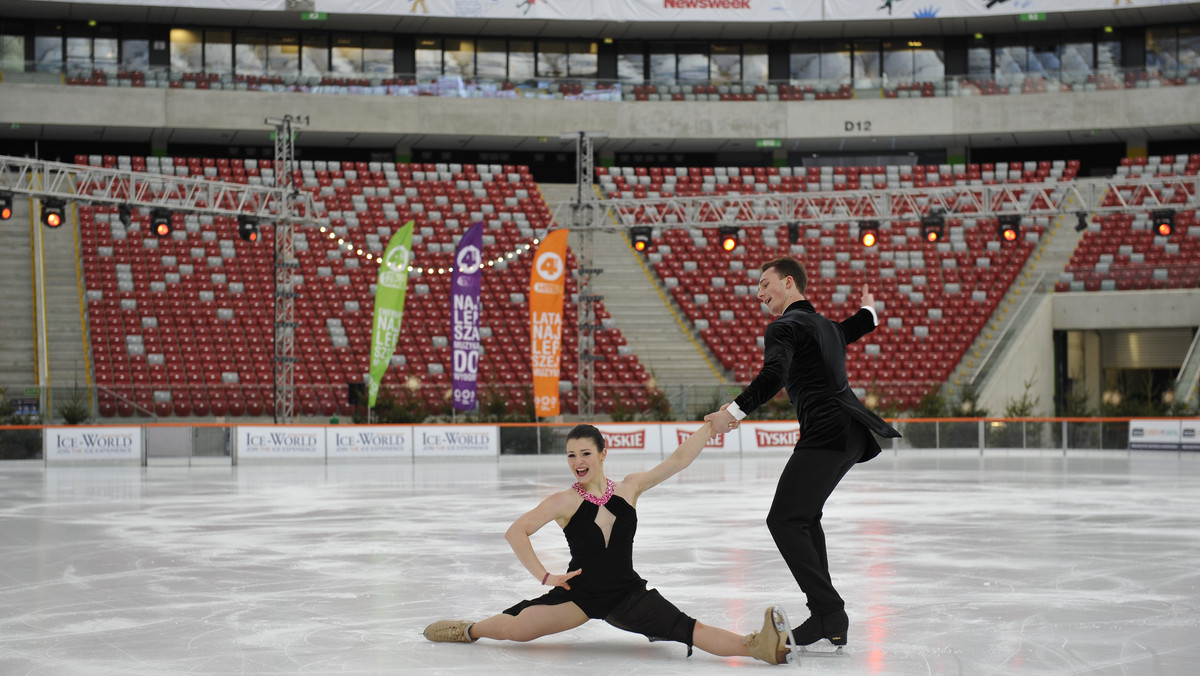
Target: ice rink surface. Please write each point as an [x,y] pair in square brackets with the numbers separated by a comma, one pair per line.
[1009,563]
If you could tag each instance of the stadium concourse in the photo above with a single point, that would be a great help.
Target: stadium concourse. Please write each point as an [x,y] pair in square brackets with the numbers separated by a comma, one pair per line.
[1013,563]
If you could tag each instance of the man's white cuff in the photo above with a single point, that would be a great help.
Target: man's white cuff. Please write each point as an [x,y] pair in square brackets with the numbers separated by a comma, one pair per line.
[873,315]
[736,411]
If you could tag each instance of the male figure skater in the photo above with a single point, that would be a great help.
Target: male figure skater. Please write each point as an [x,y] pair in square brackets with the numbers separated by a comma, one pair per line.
[806,353]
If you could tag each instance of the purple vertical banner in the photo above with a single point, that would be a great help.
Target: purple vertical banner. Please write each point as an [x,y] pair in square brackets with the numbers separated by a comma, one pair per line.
[465,281]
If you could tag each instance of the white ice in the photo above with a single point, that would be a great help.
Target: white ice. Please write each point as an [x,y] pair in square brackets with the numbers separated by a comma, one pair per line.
[1009,563]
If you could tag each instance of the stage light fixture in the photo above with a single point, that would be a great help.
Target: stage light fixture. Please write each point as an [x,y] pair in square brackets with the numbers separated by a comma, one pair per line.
[160,222]
[640,234]
[248,228]
[793,233]
[125,215]
[868,233]
[1009,227]
[729,237]
[1164,222]
[52,212]
[933,227]
[1083,223]
[6,205]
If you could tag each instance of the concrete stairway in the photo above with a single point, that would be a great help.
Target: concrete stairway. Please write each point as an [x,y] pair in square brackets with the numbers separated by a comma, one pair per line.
[1046,262]
[18,342]
[66,356]
[652,326]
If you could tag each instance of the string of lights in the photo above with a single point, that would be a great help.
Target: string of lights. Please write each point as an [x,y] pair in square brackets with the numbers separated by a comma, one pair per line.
[378,260]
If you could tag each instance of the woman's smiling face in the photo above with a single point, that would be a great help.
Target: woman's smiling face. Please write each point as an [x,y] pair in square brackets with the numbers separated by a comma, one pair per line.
[584,459]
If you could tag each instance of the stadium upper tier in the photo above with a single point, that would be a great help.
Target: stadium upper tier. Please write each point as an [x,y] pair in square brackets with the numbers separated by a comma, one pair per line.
[667,90]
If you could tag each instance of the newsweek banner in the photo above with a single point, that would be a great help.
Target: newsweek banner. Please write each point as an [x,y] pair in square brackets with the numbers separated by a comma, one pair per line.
[368,441]
[667,10]
[1189,434]
[89,444]
[257,443]
[844,10]
[633,437]
[1161,435]
[769,436]
[456,440]
[674,434]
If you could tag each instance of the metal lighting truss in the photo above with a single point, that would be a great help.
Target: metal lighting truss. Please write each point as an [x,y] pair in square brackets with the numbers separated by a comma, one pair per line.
[143,190]
[285,266]
[1095,196]
[581,213]
[282,204]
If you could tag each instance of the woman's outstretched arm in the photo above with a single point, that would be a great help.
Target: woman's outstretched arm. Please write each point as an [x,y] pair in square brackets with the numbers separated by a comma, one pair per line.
[676,462]
[555,507]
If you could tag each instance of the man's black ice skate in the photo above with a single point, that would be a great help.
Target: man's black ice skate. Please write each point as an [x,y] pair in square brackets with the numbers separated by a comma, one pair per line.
[831,627]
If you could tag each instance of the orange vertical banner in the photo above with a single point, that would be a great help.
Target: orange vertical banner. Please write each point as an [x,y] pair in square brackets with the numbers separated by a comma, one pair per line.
[547,281]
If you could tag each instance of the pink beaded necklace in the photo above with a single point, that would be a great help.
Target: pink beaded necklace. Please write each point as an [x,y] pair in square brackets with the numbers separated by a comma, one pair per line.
[591,498]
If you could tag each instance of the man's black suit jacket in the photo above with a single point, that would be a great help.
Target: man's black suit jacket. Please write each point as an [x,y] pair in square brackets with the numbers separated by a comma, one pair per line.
[806,353]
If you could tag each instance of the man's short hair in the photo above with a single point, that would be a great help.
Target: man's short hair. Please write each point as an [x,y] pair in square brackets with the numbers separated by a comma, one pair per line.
[787,266]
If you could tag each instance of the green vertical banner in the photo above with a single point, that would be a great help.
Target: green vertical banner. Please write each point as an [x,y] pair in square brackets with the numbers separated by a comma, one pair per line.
[389,306]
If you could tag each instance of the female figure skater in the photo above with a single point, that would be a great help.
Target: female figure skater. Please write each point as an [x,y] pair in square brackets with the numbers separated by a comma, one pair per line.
[598,518]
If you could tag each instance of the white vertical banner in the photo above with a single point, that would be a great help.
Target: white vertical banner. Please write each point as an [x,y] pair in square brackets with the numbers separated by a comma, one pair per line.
[769,436]
[293,443]
[1189,434]
[368,441]
[456,440]
[93,444]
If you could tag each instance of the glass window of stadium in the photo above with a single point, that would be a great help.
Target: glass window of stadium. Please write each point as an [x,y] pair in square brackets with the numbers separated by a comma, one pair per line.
[866,62]
[805,62]
[835,63]
[187,50]
[552,59]
[378,56]
[631,61]
[250,53]
[429,58]
[283,53]
[346,54]
[755,63]
[1077,57]
[662,63]
[458,57]
[79,51]
[910,61]
[491,59]
[1173,50]
[725,64]
[979,58]
[692,62]
[815,62]
[582,59]
[520,60]
[12,47]
[105,49]
[314,54]
[218,52]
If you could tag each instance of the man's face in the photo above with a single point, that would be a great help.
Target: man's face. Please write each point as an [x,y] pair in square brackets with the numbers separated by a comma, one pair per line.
[775,291]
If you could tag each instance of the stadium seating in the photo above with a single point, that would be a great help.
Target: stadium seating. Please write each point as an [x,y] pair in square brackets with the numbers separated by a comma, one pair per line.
[1125,252]
[934,297]
[184,325]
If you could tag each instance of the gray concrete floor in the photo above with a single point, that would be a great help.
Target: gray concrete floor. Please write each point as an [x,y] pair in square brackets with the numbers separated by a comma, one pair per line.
[950,562]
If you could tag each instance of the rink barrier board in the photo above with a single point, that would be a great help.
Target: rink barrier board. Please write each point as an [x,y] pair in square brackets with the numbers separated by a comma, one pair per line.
[129,444]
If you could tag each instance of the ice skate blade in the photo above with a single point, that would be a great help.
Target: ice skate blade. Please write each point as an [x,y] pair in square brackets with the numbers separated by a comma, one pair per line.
[822,648]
